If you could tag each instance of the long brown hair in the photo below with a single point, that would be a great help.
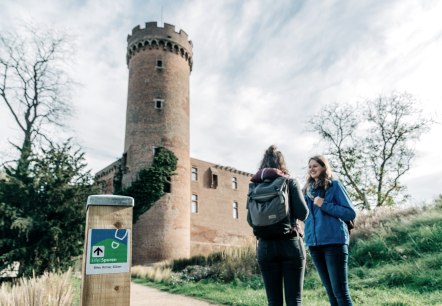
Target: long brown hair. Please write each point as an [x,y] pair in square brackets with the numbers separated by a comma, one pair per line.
[326,175]
[273,158]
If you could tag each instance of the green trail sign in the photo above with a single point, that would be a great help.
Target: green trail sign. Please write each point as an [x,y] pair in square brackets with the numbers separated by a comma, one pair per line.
[108,251]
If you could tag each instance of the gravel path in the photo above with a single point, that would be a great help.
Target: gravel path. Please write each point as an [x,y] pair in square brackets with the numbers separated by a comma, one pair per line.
[143,295]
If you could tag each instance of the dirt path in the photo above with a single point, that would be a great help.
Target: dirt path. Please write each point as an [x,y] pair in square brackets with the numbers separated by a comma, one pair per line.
[142,295]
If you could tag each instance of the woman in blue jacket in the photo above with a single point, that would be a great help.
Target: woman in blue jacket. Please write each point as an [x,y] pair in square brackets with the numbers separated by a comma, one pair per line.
[326,233]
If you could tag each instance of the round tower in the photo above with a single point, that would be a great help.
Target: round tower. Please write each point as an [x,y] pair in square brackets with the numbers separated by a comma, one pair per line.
[159,61]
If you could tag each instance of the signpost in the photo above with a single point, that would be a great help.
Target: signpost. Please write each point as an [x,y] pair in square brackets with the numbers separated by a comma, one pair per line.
[107,251]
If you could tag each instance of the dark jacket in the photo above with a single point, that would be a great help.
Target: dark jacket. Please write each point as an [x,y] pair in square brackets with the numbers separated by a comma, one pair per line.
[325,224]
[297,204]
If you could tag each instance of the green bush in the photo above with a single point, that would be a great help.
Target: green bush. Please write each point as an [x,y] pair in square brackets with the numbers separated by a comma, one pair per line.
[196,273]
[180,264]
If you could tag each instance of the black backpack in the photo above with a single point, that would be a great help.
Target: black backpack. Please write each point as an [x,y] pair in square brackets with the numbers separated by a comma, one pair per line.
[268,210]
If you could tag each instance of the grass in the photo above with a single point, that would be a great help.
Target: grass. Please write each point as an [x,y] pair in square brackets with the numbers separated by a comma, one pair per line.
[50,289]
[394,262]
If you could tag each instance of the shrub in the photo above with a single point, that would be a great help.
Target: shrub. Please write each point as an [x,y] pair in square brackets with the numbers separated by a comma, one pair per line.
[182,263]
[196,273]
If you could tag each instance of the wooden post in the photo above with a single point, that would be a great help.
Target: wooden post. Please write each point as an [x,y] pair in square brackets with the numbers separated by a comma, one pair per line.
[107,255]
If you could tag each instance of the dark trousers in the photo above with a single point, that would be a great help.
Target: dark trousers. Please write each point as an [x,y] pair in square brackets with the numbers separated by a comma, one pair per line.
[331,261]
[282,265]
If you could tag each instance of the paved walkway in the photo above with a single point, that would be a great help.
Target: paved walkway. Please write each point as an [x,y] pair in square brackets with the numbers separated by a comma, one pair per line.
[141,295]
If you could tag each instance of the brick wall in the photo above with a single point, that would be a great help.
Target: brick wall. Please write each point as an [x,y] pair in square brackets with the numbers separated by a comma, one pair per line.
[214,227]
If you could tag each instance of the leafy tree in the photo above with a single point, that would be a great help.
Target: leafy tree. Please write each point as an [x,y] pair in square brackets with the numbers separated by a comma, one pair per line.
[34,87]
[151,183]
[42,214]
[370,145]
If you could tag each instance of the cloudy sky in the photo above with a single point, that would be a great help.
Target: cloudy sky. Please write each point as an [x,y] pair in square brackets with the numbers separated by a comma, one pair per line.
[261,69]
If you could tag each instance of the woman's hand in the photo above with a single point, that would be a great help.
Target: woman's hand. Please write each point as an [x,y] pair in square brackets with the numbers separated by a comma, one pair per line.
[318,201]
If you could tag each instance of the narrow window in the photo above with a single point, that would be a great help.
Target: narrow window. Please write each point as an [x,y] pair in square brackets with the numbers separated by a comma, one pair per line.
[159,103]
[234,183]
[159,64]
[235,210]
[194,174]
[194,207]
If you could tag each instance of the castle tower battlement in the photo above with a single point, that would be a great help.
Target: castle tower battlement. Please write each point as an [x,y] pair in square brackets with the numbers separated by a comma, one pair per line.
[159,62]
[165,38]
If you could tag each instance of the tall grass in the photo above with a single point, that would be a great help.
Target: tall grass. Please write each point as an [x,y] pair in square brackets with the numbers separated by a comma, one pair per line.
[50,289]
[236,263]
[158,272]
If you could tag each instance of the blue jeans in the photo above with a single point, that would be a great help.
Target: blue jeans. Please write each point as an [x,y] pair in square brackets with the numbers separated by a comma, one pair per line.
[282,263]
[331,261]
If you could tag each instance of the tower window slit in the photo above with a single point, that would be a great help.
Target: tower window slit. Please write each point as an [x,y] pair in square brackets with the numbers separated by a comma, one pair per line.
[159,64]
[159,103]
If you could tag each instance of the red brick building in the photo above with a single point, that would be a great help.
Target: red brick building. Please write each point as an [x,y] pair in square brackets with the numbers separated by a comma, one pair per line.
[218,207]
[205,208]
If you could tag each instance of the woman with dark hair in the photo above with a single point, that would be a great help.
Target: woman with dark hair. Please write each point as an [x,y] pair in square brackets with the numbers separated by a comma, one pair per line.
[281,257]
[326,233]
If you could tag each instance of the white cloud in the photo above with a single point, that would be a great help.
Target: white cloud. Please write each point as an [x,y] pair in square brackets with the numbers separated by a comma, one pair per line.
[261,68]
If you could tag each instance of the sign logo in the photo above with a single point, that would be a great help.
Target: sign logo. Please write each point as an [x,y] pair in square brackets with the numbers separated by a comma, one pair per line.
[108,251]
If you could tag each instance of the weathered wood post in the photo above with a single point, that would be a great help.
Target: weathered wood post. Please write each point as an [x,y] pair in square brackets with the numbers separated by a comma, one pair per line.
[107,255]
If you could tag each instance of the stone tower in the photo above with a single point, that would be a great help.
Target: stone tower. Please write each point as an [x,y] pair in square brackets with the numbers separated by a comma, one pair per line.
[159,61]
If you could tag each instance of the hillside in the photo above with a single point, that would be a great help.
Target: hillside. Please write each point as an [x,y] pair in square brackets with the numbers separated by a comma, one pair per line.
[398,253]
[395,259]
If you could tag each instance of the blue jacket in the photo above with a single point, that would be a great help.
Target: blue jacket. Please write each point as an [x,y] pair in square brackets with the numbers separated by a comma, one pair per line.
[325,224]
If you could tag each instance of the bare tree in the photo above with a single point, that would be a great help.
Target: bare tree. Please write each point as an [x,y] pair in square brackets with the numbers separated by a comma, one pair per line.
[34,86]
[371,145]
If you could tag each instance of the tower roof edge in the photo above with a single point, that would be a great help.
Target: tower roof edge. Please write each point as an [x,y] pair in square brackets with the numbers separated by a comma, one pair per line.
[153,31]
